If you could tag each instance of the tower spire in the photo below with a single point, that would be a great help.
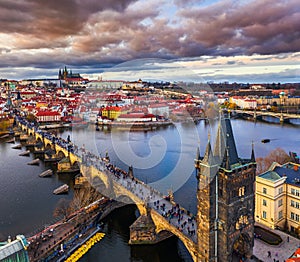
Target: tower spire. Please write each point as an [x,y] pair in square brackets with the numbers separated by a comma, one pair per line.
[220,144]
[198,154]
[252,153]
[208,155]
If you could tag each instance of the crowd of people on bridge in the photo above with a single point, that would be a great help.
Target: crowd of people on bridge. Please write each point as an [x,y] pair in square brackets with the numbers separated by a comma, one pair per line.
[66,144]
[174,214]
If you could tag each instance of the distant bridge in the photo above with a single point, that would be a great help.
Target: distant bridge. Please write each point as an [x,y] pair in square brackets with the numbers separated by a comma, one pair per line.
[165,215]
[283,117]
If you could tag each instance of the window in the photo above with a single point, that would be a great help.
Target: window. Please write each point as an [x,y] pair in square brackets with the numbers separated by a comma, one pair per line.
[280,190]
[280,214]
[297,205]
[293,215]
[292,229]
[280,202]
[264,202]
[297,217]
[264,214]
[242,191]
[292,203]
[297,192]
[264,190]
[292,191]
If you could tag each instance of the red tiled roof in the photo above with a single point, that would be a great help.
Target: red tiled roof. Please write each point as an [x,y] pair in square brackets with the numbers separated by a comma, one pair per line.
[297,252]
[47,113]
[294,259]
[158,105]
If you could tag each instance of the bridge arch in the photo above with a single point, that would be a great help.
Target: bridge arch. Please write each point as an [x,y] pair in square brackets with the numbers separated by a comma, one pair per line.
[48,146]
[126,199]
[162,224]
[30,132]
[75,164]
[61,154]
[242,246]
[39,140]
[98,184]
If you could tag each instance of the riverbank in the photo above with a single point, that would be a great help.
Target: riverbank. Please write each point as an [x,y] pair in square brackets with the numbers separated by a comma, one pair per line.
[137,125]
[58,239]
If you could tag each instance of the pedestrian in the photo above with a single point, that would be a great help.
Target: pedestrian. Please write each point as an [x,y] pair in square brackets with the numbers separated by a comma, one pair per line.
[269,253]
[288,239]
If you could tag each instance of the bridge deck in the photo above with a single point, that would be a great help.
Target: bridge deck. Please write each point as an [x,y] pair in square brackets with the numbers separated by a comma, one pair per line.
[172,212]
[268,113]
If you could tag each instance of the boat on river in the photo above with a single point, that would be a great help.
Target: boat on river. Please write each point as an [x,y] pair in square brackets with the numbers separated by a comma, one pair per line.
[61,190]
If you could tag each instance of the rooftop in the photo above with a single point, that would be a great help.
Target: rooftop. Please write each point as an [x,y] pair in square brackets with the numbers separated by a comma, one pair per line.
[289,170]
[270,175]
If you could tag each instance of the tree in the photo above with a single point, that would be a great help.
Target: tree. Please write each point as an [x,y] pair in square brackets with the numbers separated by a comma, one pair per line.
[277,155]
[62,208]
[84,197]
[31,118]
[4,124]
[211,111]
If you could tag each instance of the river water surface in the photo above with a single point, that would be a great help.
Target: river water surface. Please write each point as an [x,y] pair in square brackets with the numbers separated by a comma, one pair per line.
[163,158]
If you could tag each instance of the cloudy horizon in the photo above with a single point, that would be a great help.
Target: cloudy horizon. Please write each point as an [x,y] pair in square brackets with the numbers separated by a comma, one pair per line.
[213,40]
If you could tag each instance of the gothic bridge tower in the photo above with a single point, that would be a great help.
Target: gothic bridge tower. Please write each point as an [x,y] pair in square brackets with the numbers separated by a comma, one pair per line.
[225,216]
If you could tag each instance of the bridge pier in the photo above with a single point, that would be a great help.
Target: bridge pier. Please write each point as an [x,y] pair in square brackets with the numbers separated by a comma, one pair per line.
[152,226]
[144,231]
[254,115]
[281,119]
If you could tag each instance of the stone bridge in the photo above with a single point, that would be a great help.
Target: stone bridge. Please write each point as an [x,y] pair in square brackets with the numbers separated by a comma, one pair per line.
[283,117]
[122,186]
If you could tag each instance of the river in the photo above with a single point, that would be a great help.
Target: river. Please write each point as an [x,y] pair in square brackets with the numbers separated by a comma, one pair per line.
[162,158]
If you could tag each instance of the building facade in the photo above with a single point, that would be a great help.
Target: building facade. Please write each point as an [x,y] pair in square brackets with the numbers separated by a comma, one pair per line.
[225,218]
[278,197]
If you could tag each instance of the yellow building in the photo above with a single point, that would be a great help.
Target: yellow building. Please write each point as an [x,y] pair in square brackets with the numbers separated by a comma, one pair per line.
[277,200]
[111,112]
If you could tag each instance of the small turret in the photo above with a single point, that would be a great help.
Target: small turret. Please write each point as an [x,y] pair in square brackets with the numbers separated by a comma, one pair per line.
[252,154]
[130,171]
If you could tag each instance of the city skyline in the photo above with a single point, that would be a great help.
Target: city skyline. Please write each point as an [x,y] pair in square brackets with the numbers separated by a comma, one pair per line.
[236,41]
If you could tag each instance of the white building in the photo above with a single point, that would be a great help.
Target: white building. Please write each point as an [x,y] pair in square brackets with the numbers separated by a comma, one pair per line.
[159,109]
[105,84]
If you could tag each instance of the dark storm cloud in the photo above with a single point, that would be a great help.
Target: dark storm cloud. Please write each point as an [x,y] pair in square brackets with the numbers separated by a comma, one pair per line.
[51,18]
[264,27]
[91,33]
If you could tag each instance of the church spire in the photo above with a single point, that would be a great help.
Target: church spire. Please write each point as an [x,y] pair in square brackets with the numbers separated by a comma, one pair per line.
[197,154]
[208,155]
[252,153]
[220,144]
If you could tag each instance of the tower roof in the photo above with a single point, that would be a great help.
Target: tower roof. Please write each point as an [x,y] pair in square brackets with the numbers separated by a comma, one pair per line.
[225,153]
[230,143]
[208,156]
[252,154]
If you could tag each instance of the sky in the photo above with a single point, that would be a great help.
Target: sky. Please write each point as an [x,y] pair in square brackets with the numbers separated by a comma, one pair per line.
[250,41]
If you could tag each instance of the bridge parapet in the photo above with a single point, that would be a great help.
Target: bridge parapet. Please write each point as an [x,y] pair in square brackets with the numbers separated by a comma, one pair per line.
[120,185]
[283,117]
[162,224]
